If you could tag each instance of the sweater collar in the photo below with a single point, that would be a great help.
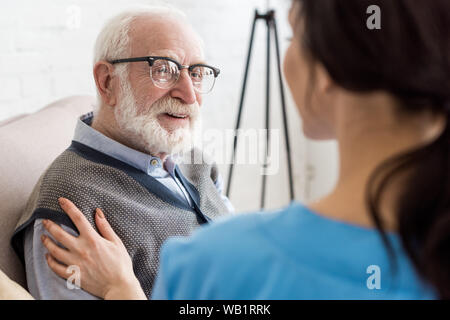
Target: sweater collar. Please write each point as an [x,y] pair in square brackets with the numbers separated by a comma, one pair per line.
[94,139]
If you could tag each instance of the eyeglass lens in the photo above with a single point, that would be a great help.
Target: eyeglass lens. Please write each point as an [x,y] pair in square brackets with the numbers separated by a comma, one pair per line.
[165,73]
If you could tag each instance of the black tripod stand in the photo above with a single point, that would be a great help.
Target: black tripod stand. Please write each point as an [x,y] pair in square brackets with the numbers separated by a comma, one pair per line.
[269,18]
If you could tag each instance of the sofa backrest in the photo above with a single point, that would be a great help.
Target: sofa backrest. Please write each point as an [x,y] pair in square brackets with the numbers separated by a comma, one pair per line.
[28,144]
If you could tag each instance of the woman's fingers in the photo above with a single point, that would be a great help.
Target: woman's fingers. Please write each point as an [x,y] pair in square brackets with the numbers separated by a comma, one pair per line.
[56,251]
[77,217]
[57,267]
[104,227]
[59,234]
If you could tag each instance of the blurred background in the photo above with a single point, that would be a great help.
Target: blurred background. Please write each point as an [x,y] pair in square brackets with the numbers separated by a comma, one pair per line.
[46,54]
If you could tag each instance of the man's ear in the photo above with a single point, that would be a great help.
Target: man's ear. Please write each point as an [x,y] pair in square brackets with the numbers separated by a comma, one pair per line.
[106,82]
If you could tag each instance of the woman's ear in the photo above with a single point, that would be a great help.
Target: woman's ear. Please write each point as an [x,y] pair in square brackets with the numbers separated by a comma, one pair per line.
[326,99]
[323,82]
[105,82]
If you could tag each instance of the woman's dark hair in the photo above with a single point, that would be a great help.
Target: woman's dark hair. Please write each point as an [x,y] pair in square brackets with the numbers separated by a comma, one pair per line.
[410,58]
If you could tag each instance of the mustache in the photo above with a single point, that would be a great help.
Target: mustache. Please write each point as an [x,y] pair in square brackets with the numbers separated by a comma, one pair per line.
[173,105]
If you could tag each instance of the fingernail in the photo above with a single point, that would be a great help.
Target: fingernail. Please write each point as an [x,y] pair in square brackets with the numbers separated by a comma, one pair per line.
[42,238]
[61,201]
[100,213]
[45,222]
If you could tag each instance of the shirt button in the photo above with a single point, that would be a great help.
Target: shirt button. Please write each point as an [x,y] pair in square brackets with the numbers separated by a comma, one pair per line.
[154,162]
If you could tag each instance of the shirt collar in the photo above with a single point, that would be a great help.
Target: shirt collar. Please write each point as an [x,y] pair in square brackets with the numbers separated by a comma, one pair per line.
[92,138]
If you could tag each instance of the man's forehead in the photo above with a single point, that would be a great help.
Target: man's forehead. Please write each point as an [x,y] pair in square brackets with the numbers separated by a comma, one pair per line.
[168,38]
[177,55]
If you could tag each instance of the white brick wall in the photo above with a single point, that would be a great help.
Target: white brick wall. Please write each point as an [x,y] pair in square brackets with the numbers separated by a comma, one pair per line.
[46,54]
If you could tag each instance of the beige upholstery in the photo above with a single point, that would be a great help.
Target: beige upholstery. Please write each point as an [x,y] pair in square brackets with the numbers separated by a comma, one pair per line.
[28,144]
[10,290]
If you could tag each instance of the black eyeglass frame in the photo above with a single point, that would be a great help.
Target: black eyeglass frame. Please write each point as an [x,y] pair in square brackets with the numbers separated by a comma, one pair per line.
[152,59]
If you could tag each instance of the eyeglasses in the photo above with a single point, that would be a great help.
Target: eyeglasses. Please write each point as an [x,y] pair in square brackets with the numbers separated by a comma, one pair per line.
[165,72]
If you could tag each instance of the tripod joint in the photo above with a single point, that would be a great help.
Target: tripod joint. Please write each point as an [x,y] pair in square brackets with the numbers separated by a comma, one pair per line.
[268,16]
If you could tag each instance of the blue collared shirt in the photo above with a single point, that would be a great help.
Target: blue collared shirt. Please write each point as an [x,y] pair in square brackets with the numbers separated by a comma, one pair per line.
[43,283]
[153,166]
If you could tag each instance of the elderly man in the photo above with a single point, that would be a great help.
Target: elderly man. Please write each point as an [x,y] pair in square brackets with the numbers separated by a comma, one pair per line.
[150,77]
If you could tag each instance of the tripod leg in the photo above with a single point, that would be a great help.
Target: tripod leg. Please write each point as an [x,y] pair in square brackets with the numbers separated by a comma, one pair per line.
[283,105]
[241,103]
[267,122]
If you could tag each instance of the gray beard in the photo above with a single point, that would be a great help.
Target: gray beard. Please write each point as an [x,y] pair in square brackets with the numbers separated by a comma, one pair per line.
[145,131]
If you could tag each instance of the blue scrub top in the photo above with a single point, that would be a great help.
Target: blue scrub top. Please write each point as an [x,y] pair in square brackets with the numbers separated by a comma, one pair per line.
[292,253]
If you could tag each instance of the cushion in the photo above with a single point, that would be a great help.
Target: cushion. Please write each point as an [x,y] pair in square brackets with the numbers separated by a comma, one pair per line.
[10,290]
[28,145]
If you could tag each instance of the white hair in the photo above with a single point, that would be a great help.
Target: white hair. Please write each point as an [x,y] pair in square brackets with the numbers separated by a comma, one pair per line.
[113,41]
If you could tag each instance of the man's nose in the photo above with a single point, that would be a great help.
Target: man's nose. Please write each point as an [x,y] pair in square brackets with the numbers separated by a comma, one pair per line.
[184,89]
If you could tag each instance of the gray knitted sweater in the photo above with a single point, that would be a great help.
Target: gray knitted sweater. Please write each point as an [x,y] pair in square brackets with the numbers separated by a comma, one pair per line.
[142,211]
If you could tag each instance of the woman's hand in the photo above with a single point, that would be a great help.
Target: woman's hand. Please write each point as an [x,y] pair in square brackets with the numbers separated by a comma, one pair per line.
[105,267]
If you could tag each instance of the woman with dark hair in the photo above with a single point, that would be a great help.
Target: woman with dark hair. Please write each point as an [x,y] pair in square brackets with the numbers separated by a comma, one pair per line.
[382,233]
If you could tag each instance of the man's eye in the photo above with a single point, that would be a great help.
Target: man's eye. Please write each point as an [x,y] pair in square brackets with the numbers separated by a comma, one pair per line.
[162,69]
